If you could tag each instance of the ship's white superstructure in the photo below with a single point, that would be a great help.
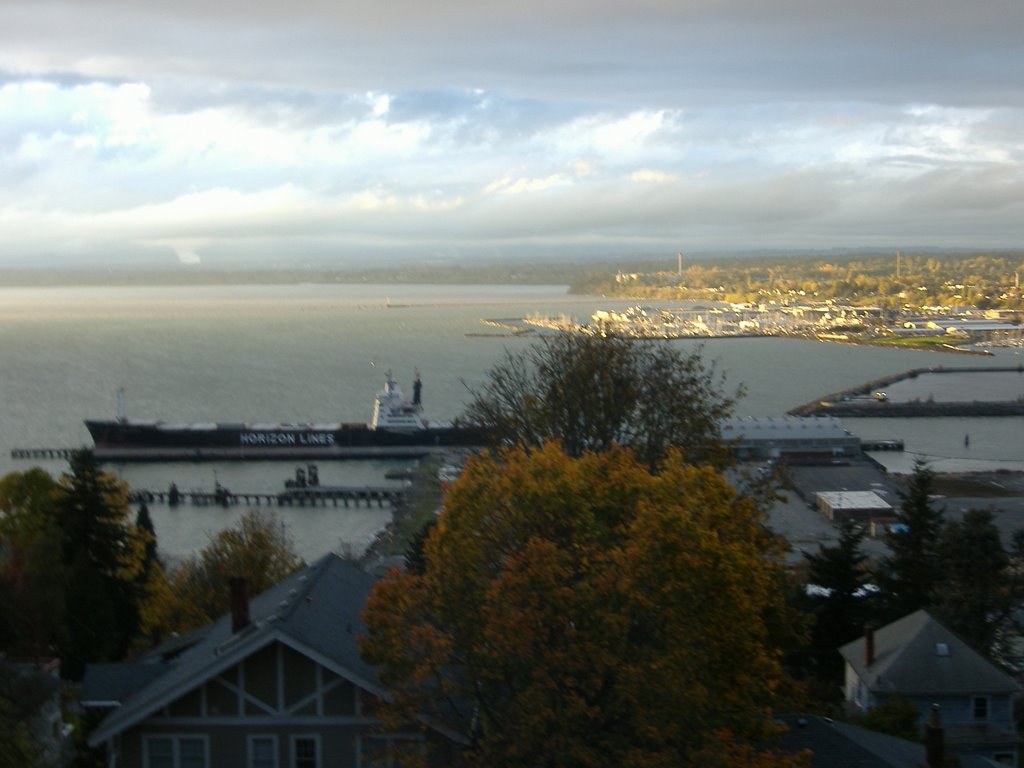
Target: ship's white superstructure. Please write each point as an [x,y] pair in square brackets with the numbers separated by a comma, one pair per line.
[392,411]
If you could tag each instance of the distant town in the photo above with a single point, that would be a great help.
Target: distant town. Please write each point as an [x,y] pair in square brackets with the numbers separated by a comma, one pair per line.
[944,328]
[943,300]
[963,302]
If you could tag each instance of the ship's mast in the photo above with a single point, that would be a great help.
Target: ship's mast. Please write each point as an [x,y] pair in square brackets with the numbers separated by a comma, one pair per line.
[120,406]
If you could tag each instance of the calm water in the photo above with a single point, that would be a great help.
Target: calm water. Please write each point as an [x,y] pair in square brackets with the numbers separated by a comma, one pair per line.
[318,353]
[960,387]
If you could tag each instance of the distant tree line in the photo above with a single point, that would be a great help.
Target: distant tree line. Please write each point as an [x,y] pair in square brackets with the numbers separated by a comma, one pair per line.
[984,280]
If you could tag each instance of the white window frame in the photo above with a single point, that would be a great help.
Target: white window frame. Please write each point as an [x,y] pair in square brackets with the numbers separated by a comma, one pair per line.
[293,741]
[251,739]
[175,739]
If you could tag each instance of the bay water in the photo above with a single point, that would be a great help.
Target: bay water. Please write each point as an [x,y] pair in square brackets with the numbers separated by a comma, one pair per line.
[318,353]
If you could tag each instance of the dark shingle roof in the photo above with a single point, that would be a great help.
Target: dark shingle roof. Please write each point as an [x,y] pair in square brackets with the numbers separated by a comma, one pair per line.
[836,744]
[315,610]
[918,656]
[841,745]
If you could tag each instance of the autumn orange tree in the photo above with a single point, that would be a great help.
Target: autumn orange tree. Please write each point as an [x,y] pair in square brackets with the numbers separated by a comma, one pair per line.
[585,611]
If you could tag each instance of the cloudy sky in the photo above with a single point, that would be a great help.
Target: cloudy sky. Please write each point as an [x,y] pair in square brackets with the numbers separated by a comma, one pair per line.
[223,132]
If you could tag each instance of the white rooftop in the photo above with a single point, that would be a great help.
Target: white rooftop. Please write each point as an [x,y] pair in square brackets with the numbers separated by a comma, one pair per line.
[839,500]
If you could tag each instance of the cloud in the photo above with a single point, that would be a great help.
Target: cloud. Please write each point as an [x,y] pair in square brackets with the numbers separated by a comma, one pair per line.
[147,127]
[651,176]
[187,255]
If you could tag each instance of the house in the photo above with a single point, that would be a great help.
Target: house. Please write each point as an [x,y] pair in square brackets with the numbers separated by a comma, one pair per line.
[919,660]
[278,683]
[835,744]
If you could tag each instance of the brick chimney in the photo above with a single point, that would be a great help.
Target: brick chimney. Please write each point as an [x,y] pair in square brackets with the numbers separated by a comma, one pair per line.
[934,740]
[869,645]
[239,603]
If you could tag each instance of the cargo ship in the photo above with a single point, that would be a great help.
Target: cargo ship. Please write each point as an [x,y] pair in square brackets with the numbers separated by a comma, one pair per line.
[396,430]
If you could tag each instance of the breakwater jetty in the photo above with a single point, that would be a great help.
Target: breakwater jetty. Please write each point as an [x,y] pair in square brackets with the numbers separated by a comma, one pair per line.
[868,399]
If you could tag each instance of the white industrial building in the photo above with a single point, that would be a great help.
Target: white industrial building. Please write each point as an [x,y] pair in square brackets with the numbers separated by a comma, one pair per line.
[857,505]
[790,439]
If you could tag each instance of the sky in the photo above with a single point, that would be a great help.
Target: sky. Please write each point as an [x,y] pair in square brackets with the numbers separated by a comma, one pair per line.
[330,132]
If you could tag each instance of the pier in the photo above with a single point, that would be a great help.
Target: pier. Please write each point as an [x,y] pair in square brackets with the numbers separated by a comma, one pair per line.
[320,496]
[42,453]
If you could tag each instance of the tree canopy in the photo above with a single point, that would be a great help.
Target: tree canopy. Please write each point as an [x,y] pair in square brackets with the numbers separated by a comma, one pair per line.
[909,574]
[102,554]
[71,586]
[586,611]
[591,392]
[978,590]
[31,578]
[843,600]
[257,548]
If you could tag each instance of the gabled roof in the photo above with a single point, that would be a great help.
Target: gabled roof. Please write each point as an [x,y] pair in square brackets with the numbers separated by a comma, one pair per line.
[315,611]
[918,656]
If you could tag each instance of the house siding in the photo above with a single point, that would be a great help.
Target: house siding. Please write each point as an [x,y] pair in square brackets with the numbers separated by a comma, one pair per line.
[957,716]
[228,745]
[959,710]
[275,692]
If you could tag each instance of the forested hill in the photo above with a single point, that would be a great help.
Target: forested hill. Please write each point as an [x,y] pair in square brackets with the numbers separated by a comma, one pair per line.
[985,280]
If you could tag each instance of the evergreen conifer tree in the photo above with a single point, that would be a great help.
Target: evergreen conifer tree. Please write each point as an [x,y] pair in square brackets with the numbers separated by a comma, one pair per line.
[843,603]
[912,570]
[102,555]
[974,598]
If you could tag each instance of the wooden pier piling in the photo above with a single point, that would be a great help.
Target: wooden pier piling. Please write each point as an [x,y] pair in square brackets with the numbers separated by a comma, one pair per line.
[315,497]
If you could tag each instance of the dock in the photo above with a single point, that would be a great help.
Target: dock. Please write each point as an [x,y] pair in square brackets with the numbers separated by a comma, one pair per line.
[320,496]
[42,453]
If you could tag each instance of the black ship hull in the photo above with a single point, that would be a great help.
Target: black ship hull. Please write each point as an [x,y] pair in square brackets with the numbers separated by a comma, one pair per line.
[157,441]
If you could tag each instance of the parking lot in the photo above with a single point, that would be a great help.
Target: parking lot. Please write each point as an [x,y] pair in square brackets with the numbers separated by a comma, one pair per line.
[806,528]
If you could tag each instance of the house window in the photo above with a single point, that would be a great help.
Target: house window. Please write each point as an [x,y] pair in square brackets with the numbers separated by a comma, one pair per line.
[262,752]
[979,707]
[305,752]
[175,752]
